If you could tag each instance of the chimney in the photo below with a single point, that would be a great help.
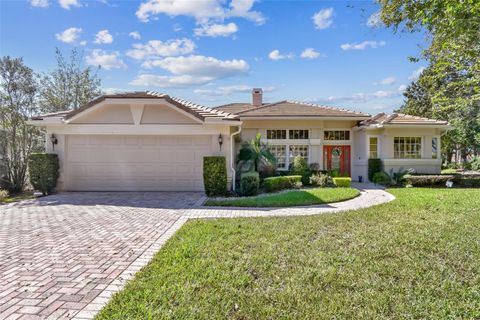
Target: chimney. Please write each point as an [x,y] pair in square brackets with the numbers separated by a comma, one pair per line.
[257,97]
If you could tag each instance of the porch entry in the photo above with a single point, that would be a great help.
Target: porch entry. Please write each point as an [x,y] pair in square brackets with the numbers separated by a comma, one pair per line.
[337,158]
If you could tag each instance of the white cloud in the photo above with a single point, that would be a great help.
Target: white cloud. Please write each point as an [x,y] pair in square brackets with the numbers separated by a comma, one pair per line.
[83,43]
[103,36]
[362,45]
[323,18]
[39,3]
[363,97]
[402,88]
[374,20]
[67,4]
[276,55]
[200,66]
[387,81]
[229,90]
[135,35]
[190,70]
[107,61]
[69,35]
[216,30]
[310,53]
[202,10]
[416,73]
[157,49]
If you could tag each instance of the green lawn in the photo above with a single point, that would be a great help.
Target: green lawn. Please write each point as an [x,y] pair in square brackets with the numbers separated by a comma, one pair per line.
[416,257]
[289,198]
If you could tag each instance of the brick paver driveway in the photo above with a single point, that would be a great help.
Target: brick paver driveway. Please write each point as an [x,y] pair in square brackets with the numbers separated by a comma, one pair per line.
[59,253]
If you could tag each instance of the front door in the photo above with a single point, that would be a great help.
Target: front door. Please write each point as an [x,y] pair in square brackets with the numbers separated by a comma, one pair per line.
[337,158]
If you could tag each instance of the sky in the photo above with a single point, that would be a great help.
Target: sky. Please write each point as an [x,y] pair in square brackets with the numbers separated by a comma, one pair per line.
[214,52]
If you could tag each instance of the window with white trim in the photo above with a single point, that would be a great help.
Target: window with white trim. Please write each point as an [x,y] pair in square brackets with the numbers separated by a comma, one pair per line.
[434,148]
[276,134]
[298,134]
[297,150]
[407,147]
[279,152]
[336,135]
[373,147]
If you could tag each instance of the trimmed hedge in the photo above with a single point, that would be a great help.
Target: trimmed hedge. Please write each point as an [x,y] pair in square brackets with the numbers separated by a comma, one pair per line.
[43,171]
[342,182]
[459,180]
[215,176]
[249,183]
[282,182]
[374,166]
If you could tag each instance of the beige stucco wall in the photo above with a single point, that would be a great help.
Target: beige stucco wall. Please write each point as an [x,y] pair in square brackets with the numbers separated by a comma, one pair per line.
[163,114]
[110,114]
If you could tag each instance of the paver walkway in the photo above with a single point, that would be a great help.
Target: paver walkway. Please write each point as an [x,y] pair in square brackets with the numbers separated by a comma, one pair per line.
[63,256]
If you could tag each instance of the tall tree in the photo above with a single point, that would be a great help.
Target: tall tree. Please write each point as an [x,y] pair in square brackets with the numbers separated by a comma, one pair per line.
[70,85]
[452,80]
[18,89]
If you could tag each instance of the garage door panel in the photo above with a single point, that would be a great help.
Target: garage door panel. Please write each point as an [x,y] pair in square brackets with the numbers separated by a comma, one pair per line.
[136,163]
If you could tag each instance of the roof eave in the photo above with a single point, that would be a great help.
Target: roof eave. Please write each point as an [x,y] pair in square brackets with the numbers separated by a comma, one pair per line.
[300,117]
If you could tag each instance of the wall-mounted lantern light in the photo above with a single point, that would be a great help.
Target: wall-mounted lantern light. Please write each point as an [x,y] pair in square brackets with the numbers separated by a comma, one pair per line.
[53,140]
[220,140]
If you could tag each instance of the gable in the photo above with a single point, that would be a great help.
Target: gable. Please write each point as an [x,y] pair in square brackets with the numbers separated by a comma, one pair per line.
[107,114]
[163,114]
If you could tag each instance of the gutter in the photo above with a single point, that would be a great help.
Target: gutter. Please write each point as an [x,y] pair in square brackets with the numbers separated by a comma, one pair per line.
[232,166]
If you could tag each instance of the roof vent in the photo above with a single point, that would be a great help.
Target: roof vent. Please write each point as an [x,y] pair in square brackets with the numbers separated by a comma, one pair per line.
[257,94]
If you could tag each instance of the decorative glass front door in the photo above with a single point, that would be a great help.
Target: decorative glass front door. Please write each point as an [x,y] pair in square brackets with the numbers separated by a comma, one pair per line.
[337,158]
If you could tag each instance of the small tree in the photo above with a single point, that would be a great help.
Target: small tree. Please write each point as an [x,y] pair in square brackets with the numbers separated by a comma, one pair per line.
[70,85]
[18,89]
[256,152]
[300,168]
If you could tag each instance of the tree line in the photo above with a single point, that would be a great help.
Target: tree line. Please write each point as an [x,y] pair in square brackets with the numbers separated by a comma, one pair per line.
[25,93]
[449,87]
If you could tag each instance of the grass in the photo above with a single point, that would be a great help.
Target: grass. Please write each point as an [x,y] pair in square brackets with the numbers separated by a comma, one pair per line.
[17,197]
[417,257]
[289,198]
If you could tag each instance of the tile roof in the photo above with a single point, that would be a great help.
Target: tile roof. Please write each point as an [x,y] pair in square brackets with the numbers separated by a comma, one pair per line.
[288,108]
[235,107]
[400,118]
[196,110]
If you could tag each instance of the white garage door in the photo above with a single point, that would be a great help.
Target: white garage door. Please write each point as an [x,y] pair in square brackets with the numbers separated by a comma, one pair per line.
[135,163]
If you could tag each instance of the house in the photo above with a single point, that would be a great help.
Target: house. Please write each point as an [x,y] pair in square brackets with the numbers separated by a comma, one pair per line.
[145,141]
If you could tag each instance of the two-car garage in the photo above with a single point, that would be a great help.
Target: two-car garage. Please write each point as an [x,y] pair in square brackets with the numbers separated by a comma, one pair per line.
[135,163]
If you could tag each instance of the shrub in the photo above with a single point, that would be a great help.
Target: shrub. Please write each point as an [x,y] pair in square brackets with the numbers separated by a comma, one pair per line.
[3,194]
[461,180]
[43,171]
[343,182]
[300,168]
[280,183]
[382,178]
[321,180]
[374,166]
[249,183]
[215,176]
[449,171]
[474,164]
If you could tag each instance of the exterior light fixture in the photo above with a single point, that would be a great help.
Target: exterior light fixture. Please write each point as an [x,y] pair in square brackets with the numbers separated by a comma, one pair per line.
[53,140]
[220,140]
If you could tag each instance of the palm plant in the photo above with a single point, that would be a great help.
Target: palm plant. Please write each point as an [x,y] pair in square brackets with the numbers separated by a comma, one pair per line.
[255,152]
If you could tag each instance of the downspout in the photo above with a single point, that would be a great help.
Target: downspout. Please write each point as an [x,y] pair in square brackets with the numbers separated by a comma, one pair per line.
[232,155]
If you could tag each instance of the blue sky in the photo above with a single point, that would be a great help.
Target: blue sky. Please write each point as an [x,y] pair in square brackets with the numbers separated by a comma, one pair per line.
[214,51]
